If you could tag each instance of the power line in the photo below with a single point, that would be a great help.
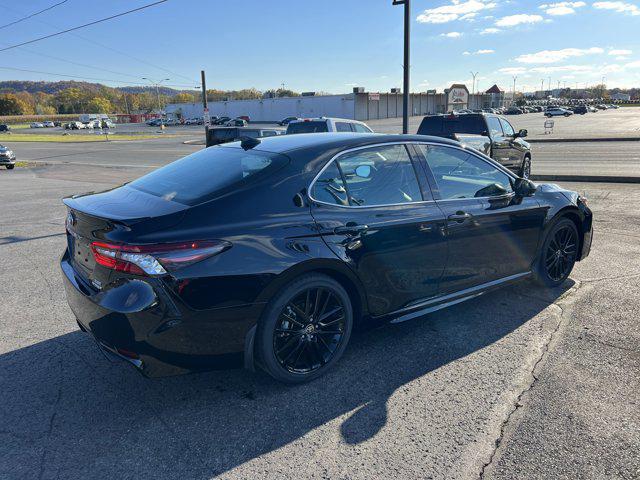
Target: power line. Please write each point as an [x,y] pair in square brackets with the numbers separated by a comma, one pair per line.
[32,15]
[75,77]
[83,26]
[106,47]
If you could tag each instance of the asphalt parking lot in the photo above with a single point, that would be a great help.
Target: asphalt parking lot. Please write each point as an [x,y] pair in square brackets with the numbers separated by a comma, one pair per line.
[519,383]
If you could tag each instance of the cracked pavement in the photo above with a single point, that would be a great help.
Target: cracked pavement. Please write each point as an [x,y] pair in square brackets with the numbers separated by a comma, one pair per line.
[519,383]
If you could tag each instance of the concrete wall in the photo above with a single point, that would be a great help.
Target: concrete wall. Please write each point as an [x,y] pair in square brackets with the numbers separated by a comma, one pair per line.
[273,109]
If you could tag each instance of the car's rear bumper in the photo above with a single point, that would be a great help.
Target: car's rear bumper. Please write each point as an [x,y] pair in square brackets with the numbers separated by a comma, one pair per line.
[142,323]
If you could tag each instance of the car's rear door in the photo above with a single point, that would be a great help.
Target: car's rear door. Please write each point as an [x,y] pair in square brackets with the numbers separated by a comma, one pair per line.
[375,211]
[492,233]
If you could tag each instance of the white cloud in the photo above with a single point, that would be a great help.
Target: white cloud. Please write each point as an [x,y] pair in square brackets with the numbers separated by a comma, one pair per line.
[466,53]
[562,68]
[635,64]
[555,56]
[451,35]
[620,52]
[620,7]
[561,8]
[519,19]
[457,10]
[485,52]
[490,31]
[513,70]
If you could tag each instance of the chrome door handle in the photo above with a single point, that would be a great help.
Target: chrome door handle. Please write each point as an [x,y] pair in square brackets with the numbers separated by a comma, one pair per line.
[459,217]
[350,229]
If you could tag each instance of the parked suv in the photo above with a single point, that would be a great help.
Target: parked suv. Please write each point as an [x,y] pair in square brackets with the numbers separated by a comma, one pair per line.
[322,125]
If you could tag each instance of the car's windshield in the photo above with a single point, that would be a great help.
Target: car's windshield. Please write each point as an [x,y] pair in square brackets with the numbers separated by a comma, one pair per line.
[205,174]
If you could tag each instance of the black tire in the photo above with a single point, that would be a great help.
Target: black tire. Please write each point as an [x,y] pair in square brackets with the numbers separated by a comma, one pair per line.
[558,254]
[10,167]
[525,169]
[291,345]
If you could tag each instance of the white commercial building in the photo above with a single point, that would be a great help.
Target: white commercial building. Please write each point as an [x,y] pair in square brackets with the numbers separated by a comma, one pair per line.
[361,106]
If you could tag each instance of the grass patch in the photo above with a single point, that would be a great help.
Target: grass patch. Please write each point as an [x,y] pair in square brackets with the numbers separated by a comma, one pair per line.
[29,137]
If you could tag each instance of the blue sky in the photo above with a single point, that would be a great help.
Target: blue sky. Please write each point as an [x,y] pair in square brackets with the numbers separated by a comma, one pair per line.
[329,45]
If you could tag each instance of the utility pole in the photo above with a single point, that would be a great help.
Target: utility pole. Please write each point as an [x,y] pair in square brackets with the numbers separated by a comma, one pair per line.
[407,56]
[157,85]
[205,106]
[473,87]
[513,99]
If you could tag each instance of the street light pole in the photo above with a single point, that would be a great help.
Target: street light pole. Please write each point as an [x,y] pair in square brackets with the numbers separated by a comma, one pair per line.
[407,46]
[473,87]
[157,85]
[513,99]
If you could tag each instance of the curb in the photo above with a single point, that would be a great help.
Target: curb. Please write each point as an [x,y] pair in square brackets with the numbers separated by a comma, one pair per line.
[193,142]
[586,178]
[582,140]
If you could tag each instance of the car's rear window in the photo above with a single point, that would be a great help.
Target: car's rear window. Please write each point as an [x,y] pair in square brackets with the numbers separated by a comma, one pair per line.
[441,125]
[307,127]
[203,175]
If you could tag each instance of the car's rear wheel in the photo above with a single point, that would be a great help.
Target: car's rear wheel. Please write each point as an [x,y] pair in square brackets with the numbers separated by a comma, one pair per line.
[305,329]
[559,253]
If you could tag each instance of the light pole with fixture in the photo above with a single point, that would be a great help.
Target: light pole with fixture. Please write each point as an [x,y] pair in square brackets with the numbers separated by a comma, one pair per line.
[407,36]
[157,85]
[473,87]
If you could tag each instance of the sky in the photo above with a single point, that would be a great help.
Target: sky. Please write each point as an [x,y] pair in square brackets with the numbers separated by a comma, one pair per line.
[327,45]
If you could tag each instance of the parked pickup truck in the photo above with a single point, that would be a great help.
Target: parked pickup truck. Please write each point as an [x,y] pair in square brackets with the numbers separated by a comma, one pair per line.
[490,134]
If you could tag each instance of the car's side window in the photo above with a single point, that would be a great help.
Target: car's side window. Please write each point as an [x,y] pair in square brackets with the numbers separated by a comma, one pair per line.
[459,174]
[343,127]
[381,175]
[360,128]
[495,130]
[508,129]
[329,187]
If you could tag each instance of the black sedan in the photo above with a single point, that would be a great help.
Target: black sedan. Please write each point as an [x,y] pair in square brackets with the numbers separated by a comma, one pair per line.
[269,251]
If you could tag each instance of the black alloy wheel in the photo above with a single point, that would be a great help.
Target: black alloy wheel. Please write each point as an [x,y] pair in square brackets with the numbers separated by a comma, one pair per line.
[559,253]
[305,329]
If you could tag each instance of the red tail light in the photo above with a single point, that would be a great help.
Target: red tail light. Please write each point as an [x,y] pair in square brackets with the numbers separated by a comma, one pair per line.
[155,259]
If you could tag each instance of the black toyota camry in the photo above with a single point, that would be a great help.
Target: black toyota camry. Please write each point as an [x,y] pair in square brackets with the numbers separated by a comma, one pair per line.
[266,253]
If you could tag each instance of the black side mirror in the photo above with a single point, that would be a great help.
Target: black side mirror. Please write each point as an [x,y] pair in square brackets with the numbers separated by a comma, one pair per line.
[524,188]
[522,133]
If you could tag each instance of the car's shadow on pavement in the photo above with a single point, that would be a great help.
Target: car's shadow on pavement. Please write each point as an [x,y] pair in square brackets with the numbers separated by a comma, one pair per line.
[67,412]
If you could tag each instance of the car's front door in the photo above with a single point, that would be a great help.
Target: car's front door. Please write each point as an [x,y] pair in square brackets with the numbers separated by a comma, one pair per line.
[500,146]
[516,149]
[374,210]
[492,233]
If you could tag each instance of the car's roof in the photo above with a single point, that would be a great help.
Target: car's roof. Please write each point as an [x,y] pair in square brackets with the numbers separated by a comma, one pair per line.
[324,119]
[289,143]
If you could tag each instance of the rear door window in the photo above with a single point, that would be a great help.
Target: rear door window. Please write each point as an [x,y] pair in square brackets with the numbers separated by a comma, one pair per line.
[343,127]
[329,187]
[358,127]
[207,173]
[381,175]
[495,129]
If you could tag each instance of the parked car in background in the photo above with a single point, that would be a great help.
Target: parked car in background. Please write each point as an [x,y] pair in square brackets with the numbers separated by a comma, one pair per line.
[490,134]
[581,110]
[156,122]
[514,111]
[613,107]
[36,125]
[5,128]
[285,121]
[48,124]
[592,109]
[601,107]
[267,254]
[57,124]
[196,121]
[236,122]
[245,118]
[557,112]
[172,122]
[218,135]
[7,157]
[323,124]
[220,121]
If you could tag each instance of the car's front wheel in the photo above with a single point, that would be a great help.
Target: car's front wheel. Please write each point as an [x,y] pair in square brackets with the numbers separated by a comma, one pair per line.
[10,167]
[559,253]
[305,329]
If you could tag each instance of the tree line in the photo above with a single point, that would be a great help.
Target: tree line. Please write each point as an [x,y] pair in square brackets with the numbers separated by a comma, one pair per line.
[112,100]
